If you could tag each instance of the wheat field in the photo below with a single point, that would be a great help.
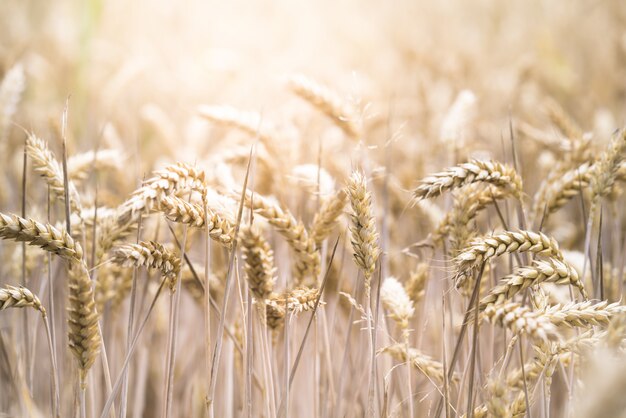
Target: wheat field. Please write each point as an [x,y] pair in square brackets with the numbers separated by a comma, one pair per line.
[312,209]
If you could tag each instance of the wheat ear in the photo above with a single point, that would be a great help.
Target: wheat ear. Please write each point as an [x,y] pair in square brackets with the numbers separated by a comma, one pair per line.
[258,263]
[583,314]
[83,333]
[363,227]
[307,256]
[171,179]
[79,165]
[484,248]
[551,270]
[327,102]
[606,169]
[41,235]
[416,285]
[326,219]
[192,214]
[249,122]
[474,171]
[48,167]
[425,364]
[397,302]
[518,318]
[150,254]
[19,297]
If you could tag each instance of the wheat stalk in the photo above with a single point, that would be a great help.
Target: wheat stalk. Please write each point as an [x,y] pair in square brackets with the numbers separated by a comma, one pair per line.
[474,171]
